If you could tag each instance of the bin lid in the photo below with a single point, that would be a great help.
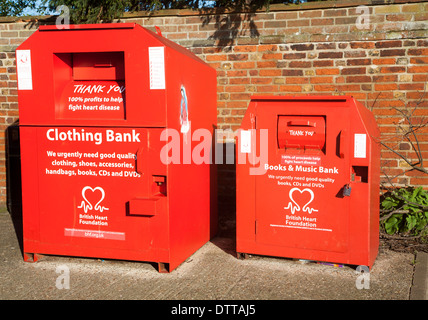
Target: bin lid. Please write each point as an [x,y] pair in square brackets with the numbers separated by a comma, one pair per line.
[301,98]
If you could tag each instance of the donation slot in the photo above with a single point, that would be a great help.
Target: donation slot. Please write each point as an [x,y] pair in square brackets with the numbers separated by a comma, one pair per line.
[301,132]
[90,85]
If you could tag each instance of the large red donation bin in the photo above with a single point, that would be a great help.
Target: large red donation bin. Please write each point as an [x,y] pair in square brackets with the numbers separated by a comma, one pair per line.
[99,106]
[308,180]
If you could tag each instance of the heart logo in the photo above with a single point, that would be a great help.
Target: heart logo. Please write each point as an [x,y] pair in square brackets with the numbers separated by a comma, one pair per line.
[90,196]
[294,205]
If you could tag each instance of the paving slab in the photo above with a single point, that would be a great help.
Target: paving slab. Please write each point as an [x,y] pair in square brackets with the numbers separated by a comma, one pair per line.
[419,290]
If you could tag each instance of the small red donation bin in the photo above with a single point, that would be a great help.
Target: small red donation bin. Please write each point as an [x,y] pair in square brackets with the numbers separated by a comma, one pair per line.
[308,180]
[98,106]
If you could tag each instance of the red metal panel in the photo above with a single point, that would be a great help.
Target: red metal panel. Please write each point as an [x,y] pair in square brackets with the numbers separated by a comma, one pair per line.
[92,99]
[143,207]
[94,183]
[50,79]
[187,182]
[98,66]
[299,180]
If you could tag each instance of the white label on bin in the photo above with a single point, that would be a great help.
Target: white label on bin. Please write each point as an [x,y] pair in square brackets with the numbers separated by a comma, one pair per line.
[360,141]
[245,141]
[98,234]
[157,67]
[23,67]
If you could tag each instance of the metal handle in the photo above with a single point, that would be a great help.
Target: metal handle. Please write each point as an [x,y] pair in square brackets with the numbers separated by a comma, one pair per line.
[103,65]
[301,123]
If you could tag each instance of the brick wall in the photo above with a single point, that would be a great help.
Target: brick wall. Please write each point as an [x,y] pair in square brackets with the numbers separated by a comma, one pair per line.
[377,53]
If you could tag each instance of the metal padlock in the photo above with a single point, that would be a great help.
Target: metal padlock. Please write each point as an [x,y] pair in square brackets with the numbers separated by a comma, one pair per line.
[347,191]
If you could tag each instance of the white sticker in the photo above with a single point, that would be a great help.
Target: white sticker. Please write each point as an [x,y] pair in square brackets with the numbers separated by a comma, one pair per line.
[360,141]
[23,68]
[157,67]
[185,126]
[245,141]
[98,234]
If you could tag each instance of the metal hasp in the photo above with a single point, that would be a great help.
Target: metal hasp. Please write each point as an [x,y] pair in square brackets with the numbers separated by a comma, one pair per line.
[298,158]
[100,111]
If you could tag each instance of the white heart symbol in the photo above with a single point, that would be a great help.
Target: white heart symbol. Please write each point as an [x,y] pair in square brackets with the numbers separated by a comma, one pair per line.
[297,206]
[93,190]
[88,205]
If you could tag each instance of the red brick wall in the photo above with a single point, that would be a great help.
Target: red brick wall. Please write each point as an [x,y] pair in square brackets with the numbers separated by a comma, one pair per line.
[314,48]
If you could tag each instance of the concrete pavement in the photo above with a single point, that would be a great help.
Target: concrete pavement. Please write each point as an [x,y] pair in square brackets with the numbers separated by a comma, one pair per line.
[419,290]
[212,273]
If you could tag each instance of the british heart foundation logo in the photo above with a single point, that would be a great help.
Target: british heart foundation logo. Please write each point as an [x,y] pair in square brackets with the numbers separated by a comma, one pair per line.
[300,200]
[92,199]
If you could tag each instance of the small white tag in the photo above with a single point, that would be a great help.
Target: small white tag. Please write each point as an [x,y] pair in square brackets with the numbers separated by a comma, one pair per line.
[360,141]
[245,141]
[23,68]
[157,67]
[185,126]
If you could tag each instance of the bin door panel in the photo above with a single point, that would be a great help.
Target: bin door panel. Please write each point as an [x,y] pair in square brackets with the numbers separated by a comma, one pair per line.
[299,201]
[91,195]
[300,217]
